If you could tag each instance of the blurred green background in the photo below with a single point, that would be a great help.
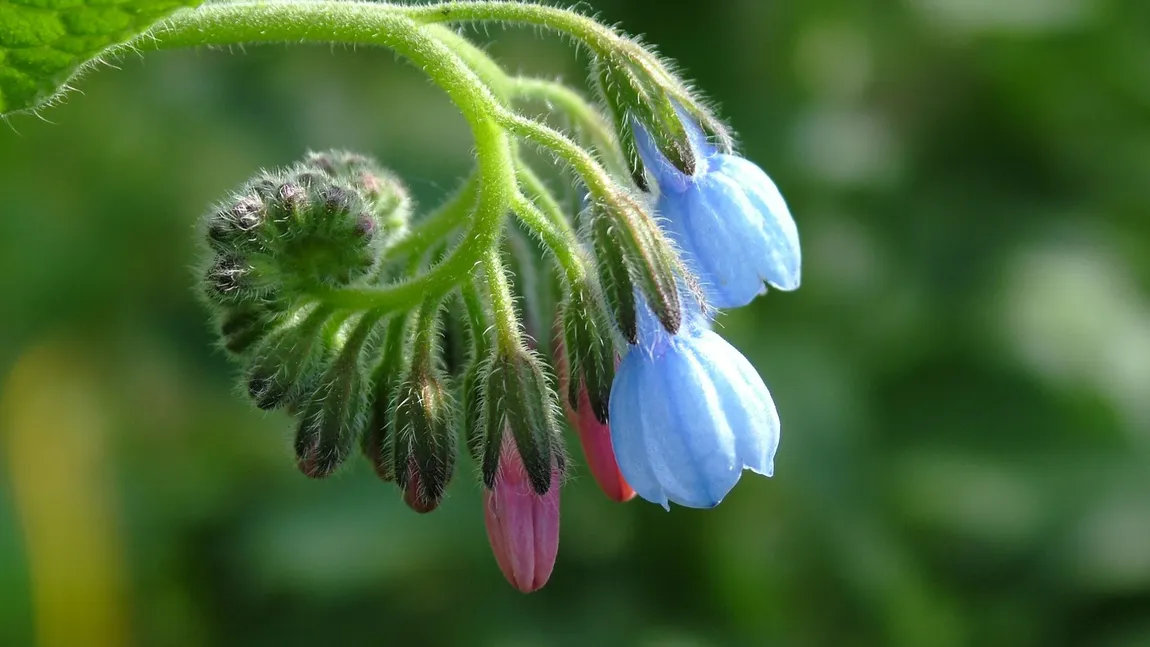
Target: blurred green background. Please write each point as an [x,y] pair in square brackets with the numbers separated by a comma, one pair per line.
[964,378]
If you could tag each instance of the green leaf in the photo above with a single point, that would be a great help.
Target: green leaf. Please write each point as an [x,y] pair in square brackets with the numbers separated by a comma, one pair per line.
[44,42]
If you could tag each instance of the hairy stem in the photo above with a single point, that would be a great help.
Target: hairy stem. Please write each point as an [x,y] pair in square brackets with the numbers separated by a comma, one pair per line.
[560,241]
[502,302]
[438,224]
[582,114]
[597,179]
[595,36]
[382,25]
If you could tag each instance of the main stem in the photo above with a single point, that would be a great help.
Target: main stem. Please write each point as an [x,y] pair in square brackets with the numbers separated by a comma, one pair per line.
[383,25]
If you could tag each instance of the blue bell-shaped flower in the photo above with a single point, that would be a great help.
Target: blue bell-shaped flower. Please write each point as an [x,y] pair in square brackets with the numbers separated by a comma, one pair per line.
[731,224]
[688,414]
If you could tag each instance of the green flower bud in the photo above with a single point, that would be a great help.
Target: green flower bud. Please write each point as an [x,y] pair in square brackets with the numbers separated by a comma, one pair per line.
[386,194]
[618,288]
[633,252]
[232,227]
[244,326]
[377,443]
[289,359]
[590,352]
[321,224]
[425,441]
[328,234]
[332,418]
[516,393]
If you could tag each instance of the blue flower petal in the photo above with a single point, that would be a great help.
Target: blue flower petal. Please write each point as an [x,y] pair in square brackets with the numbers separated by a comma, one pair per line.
[667,177]
[728,247]
[628,394]
[688,415]
[784,256]
[693,453]
[747,403]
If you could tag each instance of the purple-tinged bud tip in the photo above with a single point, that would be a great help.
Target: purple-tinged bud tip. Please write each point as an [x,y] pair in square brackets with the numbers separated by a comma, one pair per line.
[522,526]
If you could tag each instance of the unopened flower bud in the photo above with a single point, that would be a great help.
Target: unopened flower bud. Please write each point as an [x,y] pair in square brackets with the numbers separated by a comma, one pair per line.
[588,350]
[242,327]
[425,441]
[232,226]
[518,398]
[631,92]
[522,525]
[635,255]
[289,359]
[332,418]
[594,436]
[377,438]
[389,199]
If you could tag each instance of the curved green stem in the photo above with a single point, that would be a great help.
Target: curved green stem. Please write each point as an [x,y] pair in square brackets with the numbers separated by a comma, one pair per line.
[543,198]
[477,317]
[600,39]
[383,25]
[433,228]
[581,113]
[482,64]
[502,302]
[597,37]
[596,178]
[561,242]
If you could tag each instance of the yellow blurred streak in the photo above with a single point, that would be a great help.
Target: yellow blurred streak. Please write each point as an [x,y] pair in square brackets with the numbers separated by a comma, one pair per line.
[55,431]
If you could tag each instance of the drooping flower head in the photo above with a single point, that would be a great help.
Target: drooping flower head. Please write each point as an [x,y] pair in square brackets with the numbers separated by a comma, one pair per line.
[688,414]
[731,224]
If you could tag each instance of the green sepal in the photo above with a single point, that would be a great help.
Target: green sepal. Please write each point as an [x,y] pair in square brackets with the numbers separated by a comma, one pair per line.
[332,418]
[494,400]
[633,97]
[526,407]
[289,359]
[377,443]
[615,276]
[652,263]
[425,439]
[590,351]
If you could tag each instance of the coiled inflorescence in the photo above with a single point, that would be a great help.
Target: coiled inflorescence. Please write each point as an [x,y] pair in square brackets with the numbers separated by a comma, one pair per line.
[279,245]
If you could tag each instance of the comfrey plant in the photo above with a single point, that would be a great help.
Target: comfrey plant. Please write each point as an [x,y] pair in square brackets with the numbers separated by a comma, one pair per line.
[338,299]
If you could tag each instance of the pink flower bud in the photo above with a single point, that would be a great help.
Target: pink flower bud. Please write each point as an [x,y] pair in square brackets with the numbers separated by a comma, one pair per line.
[594,436]
[413,494]
[523,527]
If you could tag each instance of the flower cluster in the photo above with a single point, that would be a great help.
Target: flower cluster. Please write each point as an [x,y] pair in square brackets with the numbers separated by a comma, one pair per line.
[405,334]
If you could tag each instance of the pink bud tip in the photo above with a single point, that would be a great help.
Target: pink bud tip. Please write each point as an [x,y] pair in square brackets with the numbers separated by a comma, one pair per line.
[523,527]
[594,436]
[413,494]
